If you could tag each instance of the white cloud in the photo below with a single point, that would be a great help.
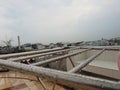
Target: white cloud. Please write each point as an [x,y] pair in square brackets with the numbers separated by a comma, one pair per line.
[54,20]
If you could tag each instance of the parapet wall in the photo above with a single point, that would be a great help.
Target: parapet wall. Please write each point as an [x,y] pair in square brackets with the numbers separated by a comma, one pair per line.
[105,64]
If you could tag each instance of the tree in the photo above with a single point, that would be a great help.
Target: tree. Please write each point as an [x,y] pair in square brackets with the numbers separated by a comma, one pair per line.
[59,44]
[8,42]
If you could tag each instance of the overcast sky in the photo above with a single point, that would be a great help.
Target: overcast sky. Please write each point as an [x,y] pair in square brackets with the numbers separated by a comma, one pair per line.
[48,21]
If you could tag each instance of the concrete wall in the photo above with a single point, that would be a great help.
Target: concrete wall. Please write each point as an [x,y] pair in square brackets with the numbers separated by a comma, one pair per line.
[107,59]
[105,64]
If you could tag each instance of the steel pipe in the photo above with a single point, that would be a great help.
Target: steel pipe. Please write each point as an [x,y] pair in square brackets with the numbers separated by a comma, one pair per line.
[28,53]
[68,79]
[37,55]
[33,52]
[85,63]
[111,48]
[59,58]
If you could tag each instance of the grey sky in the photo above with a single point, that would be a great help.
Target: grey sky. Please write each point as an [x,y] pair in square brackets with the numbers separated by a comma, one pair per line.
[48,21]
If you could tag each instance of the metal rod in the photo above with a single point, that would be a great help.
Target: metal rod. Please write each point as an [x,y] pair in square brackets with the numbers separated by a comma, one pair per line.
[34,52]
[71,62]
[41,82]
[111,48]
[59,58]
[28,53]
[85,63]
[37,55]
[64,78]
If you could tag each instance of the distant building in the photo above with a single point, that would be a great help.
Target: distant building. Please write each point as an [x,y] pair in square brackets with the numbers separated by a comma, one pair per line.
[115,41]
[52,45]
[38,46]
[27,47]
[78,43]
[59,44]
[102,42]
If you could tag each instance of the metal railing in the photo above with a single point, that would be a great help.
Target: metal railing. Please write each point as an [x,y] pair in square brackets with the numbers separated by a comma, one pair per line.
[69,78]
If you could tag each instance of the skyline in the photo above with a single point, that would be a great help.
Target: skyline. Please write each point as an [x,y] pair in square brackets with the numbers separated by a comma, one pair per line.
[47,21]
